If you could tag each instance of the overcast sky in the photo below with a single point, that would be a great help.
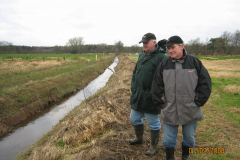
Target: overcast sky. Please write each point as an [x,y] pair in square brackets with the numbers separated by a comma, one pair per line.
[53,22]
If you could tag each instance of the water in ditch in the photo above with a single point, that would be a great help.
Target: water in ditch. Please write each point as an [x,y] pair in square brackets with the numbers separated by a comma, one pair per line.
[35,127]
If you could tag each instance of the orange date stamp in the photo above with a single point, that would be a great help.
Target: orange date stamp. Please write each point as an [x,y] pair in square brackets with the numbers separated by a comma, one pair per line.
[206,150]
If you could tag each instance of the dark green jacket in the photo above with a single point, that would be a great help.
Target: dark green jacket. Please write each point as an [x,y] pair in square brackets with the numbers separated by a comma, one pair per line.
[141,98]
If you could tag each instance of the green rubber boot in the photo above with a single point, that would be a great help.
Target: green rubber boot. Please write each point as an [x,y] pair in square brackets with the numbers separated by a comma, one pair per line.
[169,153]
[154,142]
[139,134]
[185,153]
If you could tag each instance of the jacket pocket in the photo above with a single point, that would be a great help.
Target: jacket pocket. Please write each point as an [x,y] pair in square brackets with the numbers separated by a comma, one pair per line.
[134,97]
[189,103]
[191,111]
[148,103]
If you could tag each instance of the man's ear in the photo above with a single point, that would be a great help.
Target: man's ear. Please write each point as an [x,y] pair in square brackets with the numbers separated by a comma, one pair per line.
[182,46]
[154,42]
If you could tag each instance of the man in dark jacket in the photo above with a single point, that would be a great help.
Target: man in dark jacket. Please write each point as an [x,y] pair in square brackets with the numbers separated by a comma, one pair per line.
[141,98]
[181,85]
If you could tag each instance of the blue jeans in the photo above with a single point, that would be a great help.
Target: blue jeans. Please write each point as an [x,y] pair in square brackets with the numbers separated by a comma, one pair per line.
[171,131]
[152,119]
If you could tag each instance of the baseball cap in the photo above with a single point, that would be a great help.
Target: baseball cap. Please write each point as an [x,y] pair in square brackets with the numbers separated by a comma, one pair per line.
[174,40]
[147,37]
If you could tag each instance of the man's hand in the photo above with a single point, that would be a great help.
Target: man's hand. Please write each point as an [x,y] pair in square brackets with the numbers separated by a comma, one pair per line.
[197,103]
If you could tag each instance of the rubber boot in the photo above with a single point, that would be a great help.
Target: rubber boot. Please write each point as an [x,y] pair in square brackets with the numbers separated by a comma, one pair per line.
[139,134]
[169,153]
[185,153]
[154,143]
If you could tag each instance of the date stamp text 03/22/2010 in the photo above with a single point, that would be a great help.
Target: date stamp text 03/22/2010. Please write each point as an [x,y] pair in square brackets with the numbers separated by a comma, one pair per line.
[207,150]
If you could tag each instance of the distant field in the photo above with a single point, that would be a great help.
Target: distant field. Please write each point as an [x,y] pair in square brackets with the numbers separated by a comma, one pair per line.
[210,58]
[40,57]
[16,70]
[217,57]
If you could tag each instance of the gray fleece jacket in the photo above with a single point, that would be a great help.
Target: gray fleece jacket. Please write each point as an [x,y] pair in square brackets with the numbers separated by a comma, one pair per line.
[180,87]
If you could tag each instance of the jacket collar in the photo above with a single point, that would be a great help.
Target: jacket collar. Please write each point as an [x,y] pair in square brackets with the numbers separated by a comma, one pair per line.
[181,60]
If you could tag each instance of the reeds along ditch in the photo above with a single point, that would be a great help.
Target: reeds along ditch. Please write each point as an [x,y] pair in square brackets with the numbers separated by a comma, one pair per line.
[30,90]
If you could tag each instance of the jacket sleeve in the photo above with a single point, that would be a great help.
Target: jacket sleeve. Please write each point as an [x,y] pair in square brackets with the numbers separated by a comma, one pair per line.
[159,60]
[204,87]
[133,84]
[133,78]
[158,87]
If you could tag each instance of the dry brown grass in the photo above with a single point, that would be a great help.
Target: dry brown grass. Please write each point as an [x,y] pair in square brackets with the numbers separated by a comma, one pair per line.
[232,89]
[16,66]
[224,74]
[211,58]
[222,65]
[223,68]
[235,110]
[45,64]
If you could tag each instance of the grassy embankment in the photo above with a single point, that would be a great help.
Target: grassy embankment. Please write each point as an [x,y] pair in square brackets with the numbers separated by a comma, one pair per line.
[99,127]
[29,84]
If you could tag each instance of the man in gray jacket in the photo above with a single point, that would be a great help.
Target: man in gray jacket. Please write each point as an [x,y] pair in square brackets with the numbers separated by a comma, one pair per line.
[181,85]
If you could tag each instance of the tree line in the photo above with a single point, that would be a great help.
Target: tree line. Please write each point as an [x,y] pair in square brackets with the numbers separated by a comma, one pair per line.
[74,45]
[227,44]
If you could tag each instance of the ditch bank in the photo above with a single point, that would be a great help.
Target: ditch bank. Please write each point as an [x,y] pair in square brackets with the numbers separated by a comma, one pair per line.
[42,94]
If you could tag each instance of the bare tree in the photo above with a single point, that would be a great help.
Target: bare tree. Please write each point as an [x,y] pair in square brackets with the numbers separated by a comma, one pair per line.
[226,37]
[119,46]
[5,46]
[194,46]
[135,48]
[236,41]
[76,45]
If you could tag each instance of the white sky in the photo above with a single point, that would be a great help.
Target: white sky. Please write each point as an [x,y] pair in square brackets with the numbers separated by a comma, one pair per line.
[53,22]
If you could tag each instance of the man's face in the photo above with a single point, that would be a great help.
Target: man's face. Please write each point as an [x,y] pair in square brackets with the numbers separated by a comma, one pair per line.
[175,51]
[150,46]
